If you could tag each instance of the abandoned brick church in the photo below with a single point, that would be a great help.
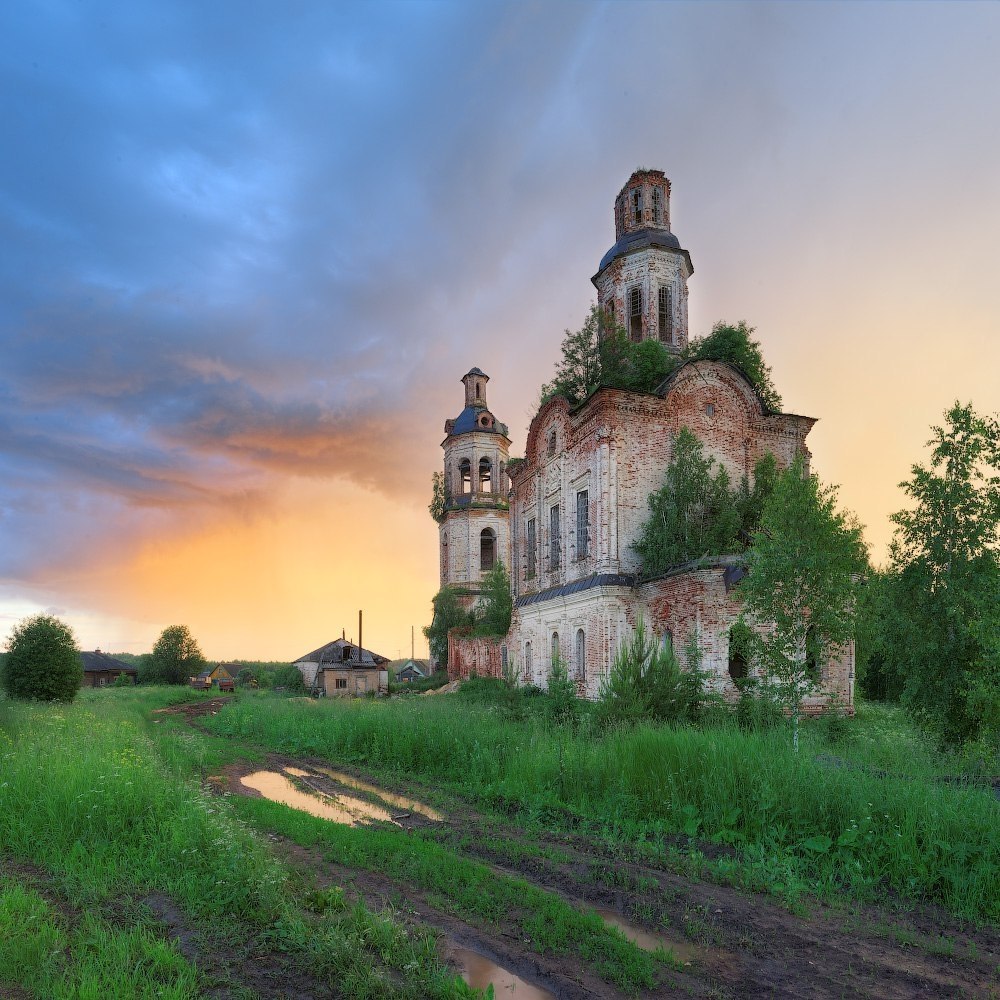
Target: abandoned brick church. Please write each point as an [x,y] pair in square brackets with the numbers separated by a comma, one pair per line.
[564,519]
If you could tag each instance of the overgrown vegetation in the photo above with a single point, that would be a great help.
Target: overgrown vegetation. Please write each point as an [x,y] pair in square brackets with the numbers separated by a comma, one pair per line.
[600,354]
[496,602]
[43,661]
[448,613]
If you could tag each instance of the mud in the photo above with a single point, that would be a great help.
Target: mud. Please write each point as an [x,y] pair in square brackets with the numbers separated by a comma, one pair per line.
[480,972]
[340,809]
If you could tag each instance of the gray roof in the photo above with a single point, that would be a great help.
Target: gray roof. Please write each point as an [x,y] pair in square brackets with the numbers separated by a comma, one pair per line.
[468,419]
[641,239]
[97,661]
[475,371]
[332,654]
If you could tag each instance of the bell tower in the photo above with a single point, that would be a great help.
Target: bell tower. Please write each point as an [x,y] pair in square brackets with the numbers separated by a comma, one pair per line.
[642,280]
[475,525]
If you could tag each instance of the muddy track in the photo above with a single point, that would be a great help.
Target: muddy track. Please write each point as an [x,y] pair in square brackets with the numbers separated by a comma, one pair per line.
[744,945]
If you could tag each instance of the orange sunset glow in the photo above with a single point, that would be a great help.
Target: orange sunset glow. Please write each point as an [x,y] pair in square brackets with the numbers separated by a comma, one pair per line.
[244,274]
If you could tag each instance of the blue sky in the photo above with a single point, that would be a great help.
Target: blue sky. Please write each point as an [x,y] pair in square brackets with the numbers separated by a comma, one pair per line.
[249,249]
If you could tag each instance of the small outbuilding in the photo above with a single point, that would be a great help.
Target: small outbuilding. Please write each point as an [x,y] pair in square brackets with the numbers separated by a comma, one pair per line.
[342,668]
[101,670]
[412,670]
[217,676]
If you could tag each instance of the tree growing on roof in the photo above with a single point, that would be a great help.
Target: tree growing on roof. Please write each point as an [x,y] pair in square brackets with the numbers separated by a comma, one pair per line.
[496,602]
[802,577]
[735,345]
[448,614]
[43,662]
[175,658]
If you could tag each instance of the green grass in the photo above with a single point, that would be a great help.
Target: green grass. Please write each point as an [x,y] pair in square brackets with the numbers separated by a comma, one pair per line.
[472,891]
[105,801]
[790,820]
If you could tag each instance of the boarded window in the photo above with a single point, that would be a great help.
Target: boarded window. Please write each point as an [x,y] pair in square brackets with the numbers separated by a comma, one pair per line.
[582,524]
[485,476]
[635,314]
[554,539]
[465,473]
[666,315]
[487,549]
[530,543]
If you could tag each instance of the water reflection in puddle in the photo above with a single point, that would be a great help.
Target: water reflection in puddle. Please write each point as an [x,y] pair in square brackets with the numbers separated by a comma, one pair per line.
[393,799]
[479,972]
[342,809]
[649,940]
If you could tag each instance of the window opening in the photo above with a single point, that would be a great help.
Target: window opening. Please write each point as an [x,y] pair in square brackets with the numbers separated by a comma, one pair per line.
[582,525]
[666,315]
[813,671]
[341,683]
[530,542]
[635,314]
[485,476]
[345,653]
[581,649]
[555,647]
[657,206]
[552,442]
[554,541]
[444,557]
[637,205]
[527,659]
[487,549]
[465,472]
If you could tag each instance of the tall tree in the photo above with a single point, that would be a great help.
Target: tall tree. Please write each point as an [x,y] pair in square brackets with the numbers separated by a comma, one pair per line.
[175,658]
[43,661]
[945,586]
[448,613]
[800,590]
[693,514]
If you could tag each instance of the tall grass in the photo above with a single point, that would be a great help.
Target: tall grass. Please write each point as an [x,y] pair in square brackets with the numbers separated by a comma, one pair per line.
[843,828]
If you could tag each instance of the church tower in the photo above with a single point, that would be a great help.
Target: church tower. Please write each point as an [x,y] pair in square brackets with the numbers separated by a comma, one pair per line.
[474,529]
[642,280]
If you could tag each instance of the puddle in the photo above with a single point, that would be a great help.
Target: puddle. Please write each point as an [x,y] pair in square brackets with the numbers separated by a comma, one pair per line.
[650,940]
[479,972]
[410,805]
[340,809]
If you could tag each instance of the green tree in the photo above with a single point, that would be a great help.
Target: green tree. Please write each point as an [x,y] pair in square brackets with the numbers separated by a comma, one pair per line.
[564,705]
[175,658]
[496,602]
[578,374]
[448,613]
[736,345]
[43,661]
[801,586]
[694,514]
[751,497]
[945,581]
[436,506]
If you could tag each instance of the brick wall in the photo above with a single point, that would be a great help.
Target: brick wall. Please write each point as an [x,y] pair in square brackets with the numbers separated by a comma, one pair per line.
[474,656]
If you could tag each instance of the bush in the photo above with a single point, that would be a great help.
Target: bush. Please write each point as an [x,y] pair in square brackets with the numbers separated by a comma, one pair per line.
[175,658]
[43,661]
[758,708]
[290,678]
[564,706]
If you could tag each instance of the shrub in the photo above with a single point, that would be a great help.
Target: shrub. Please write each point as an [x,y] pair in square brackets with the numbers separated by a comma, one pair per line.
[43,661]
[758,708]
[564,706]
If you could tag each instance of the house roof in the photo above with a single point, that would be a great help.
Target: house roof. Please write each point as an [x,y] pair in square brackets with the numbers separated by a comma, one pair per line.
[332,655]
[97,661]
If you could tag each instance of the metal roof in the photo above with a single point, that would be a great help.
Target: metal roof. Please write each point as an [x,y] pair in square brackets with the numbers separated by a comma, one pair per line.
[468,420]
[576,587]
[641,239]
[475,371]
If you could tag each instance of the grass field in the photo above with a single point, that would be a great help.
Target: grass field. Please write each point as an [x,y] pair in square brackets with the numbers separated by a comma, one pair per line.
[124,873]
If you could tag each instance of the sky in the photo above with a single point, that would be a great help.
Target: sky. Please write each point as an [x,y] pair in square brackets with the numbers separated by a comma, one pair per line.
[247,251]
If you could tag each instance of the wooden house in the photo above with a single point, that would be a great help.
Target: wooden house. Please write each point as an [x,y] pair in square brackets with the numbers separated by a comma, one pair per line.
[100,670]
[340,668]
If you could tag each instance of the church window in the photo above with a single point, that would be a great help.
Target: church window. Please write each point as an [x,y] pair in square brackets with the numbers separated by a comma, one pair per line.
[637,206]
[582,524]
[581,651]
[667,640]
[465,472]
[813,671]
[485,476]
[657,206]
[487,549]
[554,540]
[635,314]
[739,669]
[666,315]
[710,409]
[555,647]
[444,557]
[552,442]
[529,545]
[527,660]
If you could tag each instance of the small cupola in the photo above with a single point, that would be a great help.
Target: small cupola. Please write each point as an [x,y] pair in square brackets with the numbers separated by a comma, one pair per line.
[475,387]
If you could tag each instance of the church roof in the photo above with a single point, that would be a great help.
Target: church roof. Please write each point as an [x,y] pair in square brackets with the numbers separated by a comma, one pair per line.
[640,239]
[475,371]
[468,420]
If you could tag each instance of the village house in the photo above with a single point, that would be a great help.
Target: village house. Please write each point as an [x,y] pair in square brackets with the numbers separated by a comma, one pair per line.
[340,668]
[566,517]
[100,670]
[222,675]
[412,670]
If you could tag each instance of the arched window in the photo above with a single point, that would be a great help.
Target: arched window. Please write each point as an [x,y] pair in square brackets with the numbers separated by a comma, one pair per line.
[637,205]
[552,442]
[444,557]
[667,640]
[635,314]
[487,549]
[527,661]
[739,669]
[581,655]
[665,315]
[657,206]
[465,473]
[485,476]
[555,647]
[813,671]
